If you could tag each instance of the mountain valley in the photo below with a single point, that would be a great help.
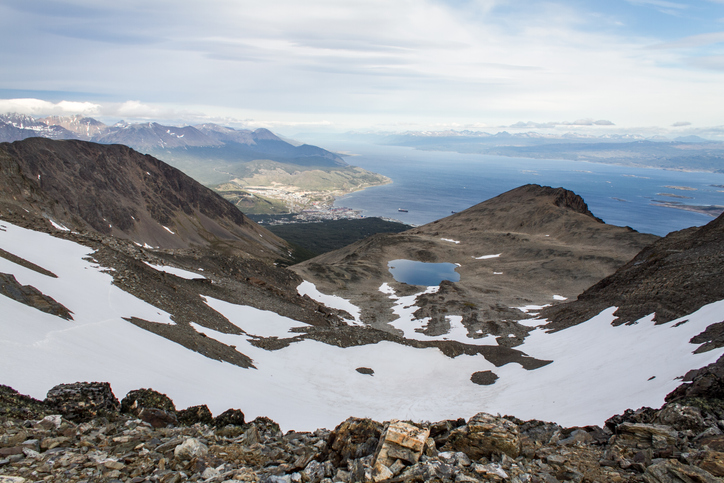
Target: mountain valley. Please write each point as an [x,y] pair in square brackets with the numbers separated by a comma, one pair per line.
[116,267]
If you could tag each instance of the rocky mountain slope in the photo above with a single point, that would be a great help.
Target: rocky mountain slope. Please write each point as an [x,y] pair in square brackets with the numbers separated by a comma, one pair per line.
[81,432]
[672,277]
[114,190]
[209,327]
[533,245]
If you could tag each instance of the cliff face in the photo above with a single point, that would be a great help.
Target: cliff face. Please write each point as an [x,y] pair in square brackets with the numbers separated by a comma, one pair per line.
[114,190]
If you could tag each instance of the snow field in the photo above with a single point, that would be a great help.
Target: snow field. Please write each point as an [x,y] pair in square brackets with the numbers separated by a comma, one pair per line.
[598,370]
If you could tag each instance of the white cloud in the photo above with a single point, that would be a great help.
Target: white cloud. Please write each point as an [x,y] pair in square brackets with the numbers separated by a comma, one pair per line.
[39,107]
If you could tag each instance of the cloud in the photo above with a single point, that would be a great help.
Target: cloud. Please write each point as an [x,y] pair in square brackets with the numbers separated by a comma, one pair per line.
[681,124]
[553,124]
[663,6]
[35,107]
[693,41]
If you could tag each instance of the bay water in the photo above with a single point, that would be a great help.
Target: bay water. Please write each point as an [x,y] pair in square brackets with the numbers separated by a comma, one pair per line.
[433,184]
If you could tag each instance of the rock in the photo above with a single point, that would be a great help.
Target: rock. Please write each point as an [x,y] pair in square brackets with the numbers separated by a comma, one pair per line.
[484,378]
[195,414]
[491,469]
[313,472]
[380,472]
[671,471]
[576,436]
[83,401]
[484,436]
[711,461]
[353,439]
[157,418]
[681,417]
[655,435]
[232,417]
[400,441]
[11,479]
[190,448]
[139,399]
[641,415]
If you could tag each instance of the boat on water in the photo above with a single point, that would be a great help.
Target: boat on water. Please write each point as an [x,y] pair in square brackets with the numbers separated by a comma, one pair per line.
[402,210]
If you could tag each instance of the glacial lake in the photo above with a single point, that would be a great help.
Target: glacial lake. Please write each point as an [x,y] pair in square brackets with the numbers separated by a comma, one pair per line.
[433,184]
[421,273]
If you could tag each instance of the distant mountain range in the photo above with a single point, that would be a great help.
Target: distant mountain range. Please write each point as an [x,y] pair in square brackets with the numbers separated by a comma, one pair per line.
[682,153]
[153,138]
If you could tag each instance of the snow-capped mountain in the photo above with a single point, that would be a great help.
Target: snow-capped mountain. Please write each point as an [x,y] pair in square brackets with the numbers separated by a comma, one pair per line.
[155,138]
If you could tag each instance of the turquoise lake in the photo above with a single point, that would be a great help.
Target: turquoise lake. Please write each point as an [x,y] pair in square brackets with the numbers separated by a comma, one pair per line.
[421,273]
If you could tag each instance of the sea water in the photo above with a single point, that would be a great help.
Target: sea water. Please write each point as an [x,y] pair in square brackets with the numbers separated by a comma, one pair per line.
[433,184]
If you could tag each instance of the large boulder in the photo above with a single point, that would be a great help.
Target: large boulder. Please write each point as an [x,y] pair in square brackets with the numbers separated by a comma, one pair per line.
[401,441]
[83,401]
[485,435]
[672,471]
[355,438]
[151,406]
[195,414]
[234,417]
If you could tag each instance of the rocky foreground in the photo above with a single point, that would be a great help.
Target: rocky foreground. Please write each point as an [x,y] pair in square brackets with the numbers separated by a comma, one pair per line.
[81,432]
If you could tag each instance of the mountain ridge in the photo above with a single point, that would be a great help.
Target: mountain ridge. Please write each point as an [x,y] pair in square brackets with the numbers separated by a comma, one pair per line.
[114,190]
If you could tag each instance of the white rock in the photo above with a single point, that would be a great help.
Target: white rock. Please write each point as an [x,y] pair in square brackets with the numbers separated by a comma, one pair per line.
[190,448]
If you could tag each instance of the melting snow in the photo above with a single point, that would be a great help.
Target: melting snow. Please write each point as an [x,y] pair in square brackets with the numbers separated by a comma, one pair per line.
[598,370]
[333,301]
[179,272]
[485,257]
[58,226]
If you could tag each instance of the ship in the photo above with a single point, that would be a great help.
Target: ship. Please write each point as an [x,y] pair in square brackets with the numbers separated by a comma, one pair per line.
[402,210]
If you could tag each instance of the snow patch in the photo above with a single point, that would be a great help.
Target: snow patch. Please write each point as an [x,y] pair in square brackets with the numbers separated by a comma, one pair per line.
[168,230]
[451,241]
[559,297]
[333,301]
[179,272]
[58,226]
[485,257]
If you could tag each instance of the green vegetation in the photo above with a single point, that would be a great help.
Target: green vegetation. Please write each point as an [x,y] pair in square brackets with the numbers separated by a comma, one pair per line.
[325,236]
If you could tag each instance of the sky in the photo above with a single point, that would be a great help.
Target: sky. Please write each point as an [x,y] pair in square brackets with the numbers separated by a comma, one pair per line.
[656,66]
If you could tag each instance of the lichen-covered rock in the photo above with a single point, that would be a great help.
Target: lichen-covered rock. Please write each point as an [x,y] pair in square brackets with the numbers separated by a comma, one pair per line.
[232,417]
[83,401]
[195,414]
[16,405]
[681,417]
[355,438]
[146,398]
[486,435]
